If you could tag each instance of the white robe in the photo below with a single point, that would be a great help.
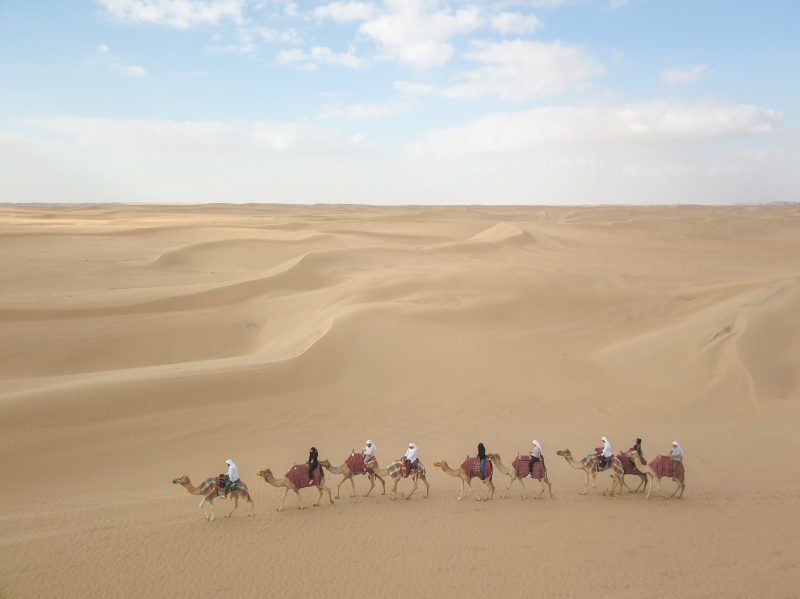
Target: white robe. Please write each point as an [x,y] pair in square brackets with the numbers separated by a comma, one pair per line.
[233,471]
[369,451]
[607,453]
[411,454]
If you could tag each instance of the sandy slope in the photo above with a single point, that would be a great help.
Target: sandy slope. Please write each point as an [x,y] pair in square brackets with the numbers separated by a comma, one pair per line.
[140,343]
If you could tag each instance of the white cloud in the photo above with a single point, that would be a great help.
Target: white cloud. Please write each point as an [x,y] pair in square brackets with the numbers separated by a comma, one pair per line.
[520,70]
[417,32]
[655,122]
[93,160]
[615,4]
[320,55]
[412,89]
[345,11]
[548,3]
[358,112]
[111,61]
[192,137]
[682,76]
[180,14]
[515,23]
[135,71]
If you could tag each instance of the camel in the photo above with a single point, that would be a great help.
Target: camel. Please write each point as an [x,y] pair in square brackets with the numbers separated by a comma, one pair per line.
[617,479]
[288,485]
[466,477]
[514,476]
[654,475]
[208,489]
[625,467]
[344,469]
[416,476]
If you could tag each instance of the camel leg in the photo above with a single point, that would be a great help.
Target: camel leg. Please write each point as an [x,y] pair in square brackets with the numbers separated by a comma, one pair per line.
[491,486]
[371,484]
[319,496]
[352,484]
[594,480]
[339,486]
[235,505]
[383,484]
[211,505]
[251,504]
[471,490]
[202,509]
[461,493]
[394,490]
[414,489]
[586,483]
[283,499]
[299,499]
[649,488]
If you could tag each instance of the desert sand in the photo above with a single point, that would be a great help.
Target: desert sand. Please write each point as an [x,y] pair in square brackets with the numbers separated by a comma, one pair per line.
[140,343]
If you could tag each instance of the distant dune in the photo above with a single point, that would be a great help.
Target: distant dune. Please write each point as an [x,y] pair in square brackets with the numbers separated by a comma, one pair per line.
[140,343]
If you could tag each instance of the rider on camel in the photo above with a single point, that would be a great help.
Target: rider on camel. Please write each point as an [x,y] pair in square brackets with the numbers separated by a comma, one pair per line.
[536,455]
[604,454]
[410,458]
[369,454]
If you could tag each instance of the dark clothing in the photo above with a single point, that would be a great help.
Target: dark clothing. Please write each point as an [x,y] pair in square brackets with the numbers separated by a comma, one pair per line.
[313,464]
[531,462]
[637,447]
[483,468]
[481,451]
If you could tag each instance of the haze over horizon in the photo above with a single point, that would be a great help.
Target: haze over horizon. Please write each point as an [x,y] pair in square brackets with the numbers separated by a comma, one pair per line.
[400,102]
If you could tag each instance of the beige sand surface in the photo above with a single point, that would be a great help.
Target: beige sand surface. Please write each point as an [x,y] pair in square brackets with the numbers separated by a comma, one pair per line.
[141,343]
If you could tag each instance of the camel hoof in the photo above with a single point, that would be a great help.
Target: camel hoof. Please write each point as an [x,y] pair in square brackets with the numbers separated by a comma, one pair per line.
[458,498]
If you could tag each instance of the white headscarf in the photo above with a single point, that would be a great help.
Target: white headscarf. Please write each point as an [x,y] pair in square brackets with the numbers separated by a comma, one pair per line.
[606,447]
[411,453]
[370,448]
[680,449]
[233,471]
[537,449]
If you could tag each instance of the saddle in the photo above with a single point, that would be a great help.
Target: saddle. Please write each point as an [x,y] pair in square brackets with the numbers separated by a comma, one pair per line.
[298,476]
[521,462]
[472,468]
[356,464]
[628,465]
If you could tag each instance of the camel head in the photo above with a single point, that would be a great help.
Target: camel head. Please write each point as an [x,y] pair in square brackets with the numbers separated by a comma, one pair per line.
[325,464]
[181,480]
[265,473]
[564,453]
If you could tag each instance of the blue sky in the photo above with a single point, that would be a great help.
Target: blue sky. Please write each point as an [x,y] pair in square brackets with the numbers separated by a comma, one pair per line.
[400,101]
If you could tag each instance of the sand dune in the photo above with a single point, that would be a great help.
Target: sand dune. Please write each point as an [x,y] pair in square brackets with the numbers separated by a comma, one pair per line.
[138,343]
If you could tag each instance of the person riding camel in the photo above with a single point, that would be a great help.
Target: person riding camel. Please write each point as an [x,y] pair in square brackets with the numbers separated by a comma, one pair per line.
[637,447]
[482,458]
[677,458]
[410,458]
[313,464]
[604,454]
[369,454]
[231,478]
[536,455]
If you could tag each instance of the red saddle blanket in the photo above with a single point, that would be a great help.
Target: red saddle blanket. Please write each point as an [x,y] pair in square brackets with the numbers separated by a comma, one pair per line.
[298,476]
[520,464]
[356,463]
[472,468]
[663,467]
[628,465]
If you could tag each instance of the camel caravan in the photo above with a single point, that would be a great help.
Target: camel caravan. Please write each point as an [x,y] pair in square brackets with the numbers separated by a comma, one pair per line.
[481,466]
